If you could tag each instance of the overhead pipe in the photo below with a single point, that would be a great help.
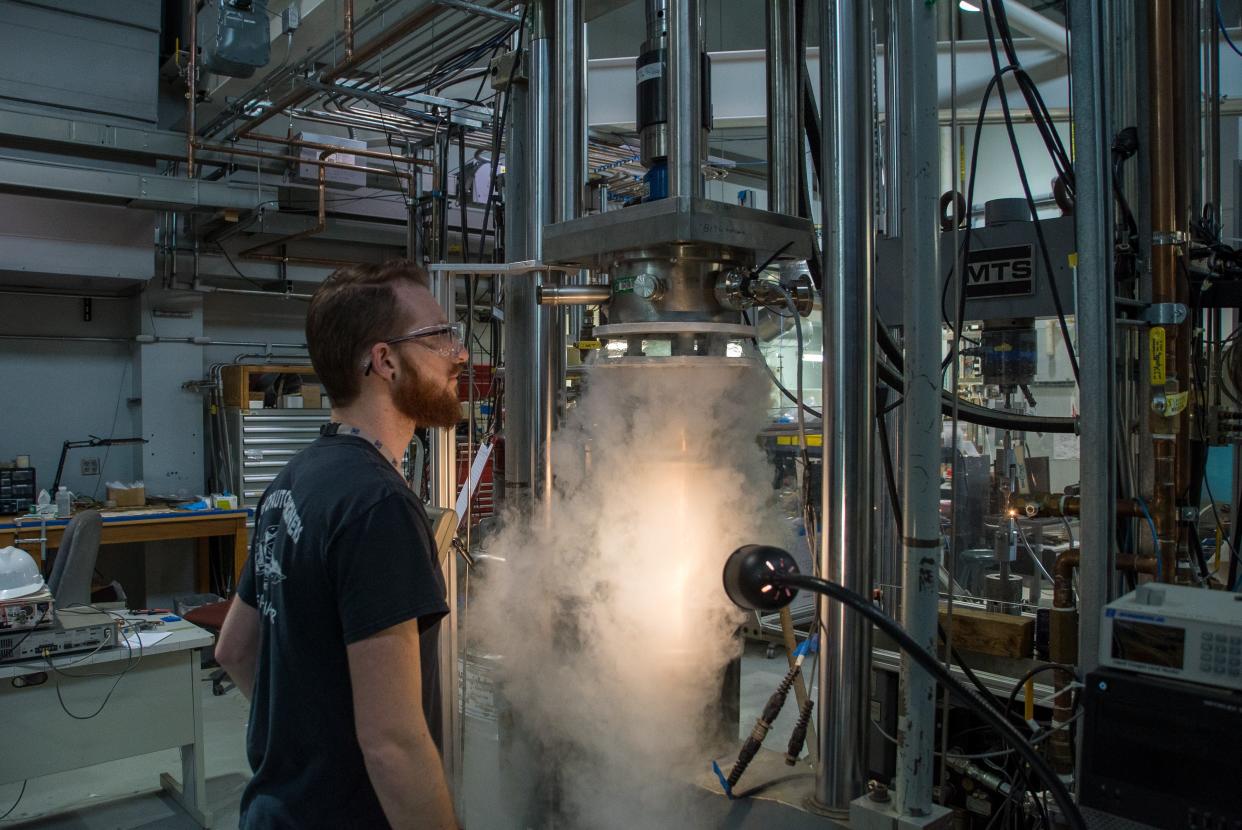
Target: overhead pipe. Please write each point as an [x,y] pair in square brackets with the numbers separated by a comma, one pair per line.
[191,88]
[321,222]
[349,29]
[848,380]
[1044,31]
[199,287]
[352,151]
[377,44]
[233,150]
[481,10]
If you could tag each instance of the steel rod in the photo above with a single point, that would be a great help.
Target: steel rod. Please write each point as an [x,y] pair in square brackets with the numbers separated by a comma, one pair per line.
[481,11]
[540,193]
[848,381]
[570,295]
[685,73]
[784,108]
[919,171]
[1093,221]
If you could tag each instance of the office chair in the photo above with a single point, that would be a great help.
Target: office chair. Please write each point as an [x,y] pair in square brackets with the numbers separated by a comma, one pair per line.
[211,617]
[74,566]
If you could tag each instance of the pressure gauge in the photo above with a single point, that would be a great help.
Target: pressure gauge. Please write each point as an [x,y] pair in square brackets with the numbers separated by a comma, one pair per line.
[648,286]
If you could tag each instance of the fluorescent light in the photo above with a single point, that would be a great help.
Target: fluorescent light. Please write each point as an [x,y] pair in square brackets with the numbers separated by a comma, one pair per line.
[812,358]
[967,6]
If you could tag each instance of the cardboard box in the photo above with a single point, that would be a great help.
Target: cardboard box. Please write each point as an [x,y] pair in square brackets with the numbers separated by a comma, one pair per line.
[128,496]
[290,402]
[312,395]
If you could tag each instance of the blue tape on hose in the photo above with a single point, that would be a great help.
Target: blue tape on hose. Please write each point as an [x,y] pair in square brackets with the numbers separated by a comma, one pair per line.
[724,782]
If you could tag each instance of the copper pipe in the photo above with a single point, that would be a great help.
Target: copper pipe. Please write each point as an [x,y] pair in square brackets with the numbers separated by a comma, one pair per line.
[349,29]
[375,45]
[321,222]
[314,145]
[1164,253]
[1063,648]
[1054,504]
[229,149]
[1063,640]
[191,89]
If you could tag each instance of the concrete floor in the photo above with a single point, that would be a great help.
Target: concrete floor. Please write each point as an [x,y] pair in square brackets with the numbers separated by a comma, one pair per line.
[124,795]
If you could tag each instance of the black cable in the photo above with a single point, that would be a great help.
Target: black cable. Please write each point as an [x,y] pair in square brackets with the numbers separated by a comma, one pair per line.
[20,793]
[890,372]
[499,129]
[933,667]
[1011,701]
[776,381]
[1026,190]
[1034,101]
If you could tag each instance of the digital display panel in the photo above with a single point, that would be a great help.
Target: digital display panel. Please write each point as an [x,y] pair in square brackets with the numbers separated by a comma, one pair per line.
[1154,645]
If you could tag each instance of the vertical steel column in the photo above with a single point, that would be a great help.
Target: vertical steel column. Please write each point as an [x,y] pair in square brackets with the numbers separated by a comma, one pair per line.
[784,77]
[539,191]
[1090,57]
[572,131]
[443,494]
[569,37]
[894,106]
[521,329]
[919,144]
[570,118]
[849,381]
[685,107]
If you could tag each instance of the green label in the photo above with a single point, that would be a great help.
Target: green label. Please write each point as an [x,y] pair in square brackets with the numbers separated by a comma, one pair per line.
[623,285]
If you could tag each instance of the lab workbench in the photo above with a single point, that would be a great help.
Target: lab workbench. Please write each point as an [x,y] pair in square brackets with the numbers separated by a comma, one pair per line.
[155,705]
[140,525]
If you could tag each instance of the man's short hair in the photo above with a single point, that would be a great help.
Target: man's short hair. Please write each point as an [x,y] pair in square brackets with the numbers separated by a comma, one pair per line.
[355,308]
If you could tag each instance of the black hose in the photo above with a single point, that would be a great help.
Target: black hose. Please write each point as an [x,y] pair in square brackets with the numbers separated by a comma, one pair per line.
[890,373]
[933,667]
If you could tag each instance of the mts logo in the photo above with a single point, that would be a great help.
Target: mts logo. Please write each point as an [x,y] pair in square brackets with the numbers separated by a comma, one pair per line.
[999,272]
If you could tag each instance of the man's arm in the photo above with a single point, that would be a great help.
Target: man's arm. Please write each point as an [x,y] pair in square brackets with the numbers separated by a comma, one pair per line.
[401,758]
[237,649]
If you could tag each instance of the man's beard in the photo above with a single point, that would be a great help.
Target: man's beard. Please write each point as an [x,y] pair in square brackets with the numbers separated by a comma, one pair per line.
[428,403]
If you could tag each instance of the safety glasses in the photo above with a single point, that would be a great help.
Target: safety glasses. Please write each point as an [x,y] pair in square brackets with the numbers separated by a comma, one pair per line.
[445,339]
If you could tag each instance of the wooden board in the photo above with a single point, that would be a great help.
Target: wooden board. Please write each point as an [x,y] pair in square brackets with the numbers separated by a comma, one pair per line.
[986,632]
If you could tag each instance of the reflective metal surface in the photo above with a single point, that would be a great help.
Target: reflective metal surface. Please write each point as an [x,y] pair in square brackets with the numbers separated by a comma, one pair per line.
[848,381]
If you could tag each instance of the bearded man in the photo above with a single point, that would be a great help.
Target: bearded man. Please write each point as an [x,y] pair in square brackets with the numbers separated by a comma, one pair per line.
[333,632]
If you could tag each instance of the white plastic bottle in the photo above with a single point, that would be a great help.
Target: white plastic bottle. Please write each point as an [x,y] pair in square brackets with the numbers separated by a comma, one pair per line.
[64,502]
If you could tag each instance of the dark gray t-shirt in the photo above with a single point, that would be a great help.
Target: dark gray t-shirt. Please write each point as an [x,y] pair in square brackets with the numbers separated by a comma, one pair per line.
[341,550]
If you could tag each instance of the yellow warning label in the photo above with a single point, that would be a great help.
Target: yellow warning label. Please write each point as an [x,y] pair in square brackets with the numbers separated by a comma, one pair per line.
[1073,260]
[1157,355]
[590,344]
[1176,403]
[792,440]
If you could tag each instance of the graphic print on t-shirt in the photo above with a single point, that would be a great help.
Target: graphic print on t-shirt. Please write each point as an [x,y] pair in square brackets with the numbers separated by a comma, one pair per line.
[267,567]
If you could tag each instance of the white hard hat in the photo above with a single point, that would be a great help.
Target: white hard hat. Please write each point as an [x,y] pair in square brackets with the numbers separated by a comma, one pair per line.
[19,575]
